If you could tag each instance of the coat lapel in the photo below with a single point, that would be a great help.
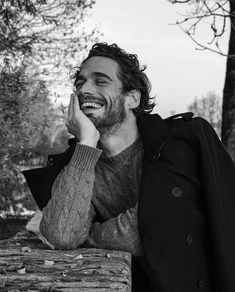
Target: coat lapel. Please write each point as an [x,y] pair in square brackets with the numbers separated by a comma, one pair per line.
[155,132]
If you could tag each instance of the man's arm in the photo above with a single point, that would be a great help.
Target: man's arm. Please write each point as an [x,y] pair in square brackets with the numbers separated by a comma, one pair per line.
[119,233]
[67,217]
[66,221]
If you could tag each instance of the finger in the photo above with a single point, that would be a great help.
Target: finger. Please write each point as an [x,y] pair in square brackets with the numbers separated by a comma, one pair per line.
[76,106]
[70,130]
[67,123]
[70,110]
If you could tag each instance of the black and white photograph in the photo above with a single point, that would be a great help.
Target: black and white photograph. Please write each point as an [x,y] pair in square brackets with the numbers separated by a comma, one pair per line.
[117,145]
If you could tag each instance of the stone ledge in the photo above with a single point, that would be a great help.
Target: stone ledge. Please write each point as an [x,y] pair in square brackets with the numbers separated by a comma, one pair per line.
[29,265]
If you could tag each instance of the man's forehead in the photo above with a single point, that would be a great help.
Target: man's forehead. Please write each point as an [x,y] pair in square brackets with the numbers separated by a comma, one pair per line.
[100,64]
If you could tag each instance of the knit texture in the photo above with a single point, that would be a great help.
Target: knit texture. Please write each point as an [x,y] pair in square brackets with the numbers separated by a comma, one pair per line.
[67,217]
[112,184]
[115,197]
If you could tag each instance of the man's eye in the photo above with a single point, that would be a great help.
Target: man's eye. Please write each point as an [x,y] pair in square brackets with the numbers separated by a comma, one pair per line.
[79,83]
[100,82]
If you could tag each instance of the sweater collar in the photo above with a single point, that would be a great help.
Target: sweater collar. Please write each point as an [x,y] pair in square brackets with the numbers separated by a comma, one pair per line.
[131,151]
[154,131]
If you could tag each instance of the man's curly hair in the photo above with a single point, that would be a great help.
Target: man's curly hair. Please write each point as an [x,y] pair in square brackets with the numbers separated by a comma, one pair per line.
[131,75]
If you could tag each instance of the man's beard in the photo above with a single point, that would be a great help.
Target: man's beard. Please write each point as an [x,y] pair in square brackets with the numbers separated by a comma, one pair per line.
[112,118]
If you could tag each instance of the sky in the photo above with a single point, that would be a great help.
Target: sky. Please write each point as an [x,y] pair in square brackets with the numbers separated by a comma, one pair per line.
[178,72]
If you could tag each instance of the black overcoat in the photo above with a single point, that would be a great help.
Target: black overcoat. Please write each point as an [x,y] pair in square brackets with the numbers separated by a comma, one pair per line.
[186,212]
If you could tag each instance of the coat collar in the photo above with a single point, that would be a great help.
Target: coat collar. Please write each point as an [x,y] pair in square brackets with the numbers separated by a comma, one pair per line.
[154,132]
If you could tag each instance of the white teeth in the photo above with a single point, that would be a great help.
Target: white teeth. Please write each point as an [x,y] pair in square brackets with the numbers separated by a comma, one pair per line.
[90,105]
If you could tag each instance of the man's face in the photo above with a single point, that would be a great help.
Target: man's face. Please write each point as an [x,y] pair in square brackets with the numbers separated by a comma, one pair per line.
[100,93]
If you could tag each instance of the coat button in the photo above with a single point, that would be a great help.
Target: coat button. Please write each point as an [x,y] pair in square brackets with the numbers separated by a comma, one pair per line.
[201,283]
[177,192]
[157,156]
[189,239]
[50,161]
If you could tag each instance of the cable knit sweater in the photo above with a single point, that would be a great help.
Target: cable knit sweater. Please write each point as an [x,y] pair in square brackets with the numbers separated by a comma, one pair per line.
[93,184]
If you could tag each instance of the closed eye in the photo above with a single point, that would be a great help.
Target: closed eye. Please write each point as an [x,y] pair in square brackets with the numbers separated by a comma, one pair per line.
[79,83]
[100,82]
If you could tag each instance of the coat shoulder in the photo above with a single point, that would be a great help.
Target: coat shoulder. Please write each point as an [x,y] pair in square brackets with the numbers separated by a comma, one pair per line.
[185,122]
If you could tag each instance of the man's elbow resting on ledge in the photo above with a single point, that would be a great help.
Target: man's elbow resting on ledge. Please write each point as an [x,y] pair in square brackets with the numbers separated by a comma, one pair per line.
[65,244]
[60,241]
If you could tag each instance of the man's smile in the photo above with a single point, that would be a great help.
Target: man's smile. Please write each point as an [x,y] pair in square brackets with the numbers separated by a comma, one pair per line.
[90,105]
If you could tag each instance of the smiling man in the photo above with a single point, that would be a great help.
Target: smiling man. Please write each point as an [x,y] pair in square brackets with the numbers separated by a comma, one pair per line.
[99,93]
[160,189]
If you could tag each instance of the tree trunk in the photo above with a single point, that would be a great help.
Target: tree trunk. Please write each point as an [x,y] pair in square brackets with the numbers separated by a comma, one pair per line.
[228,115]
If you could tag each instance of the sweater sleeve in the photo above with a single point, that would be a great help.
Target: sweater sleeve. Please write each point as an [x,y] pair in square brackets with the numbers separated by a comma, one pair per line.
[119,233]
[67,217]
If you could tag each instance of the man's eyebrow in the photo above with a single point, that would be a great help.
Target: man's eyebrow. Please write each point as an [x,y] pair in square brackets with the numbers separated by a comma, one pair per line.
[80,77]
[100,74]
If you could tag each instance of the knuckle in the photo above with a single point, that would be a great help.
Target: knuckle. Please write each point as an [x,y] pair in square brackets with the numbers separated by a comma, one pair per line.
[68,120]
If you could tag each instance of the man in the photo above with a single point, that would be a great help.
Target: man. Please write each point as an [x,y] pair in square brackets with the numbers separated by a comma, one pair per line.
[160,189]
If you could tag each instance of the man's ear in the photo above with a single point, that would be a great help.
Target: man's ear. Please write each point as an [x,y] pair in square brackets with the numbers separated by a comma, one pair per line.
[133,99]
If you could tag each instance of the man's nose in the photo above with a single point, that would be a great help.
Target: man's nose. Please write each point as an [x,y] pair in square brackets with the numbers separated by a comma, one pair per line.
[86,88]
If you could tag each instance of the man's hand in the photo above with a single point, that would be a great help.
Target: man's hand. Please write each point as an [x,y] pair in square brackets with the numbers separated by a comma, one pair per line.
[80,126]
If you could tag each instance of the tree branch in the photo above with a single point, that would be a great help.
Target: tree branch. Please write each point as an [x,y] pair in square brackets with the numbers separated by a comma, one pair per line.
[213,12]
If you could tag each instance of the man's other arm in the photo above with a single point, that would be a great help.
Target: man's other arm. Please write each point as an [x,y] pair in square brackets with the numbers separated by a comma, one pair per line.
[120,233]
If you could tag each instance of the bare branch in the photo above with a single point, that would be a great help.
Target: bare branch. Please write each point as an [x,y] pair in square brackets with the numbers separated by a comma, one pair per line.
[211,12]
[201,46]
[179,1]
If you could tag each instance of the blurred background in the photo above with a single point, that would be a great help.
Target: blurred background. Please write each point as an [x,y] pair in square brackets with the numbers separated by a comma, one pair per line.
[187,46]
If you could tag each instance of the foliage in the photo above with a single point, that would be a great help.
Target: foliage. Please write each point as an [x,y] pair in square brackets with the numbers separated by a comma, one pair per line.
[19,129]
[209,108]
[50,31]
[29,128]
[38,39]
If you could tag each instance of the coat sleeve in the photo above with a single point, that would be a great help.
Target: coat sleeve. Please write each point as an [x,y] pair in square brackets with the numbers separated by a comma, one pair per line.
[40,180]
[218,183]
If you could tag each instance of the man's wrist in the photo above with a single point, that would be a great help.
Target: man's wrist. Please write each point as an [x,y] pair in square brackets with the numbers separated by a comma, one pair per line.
[89,142]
